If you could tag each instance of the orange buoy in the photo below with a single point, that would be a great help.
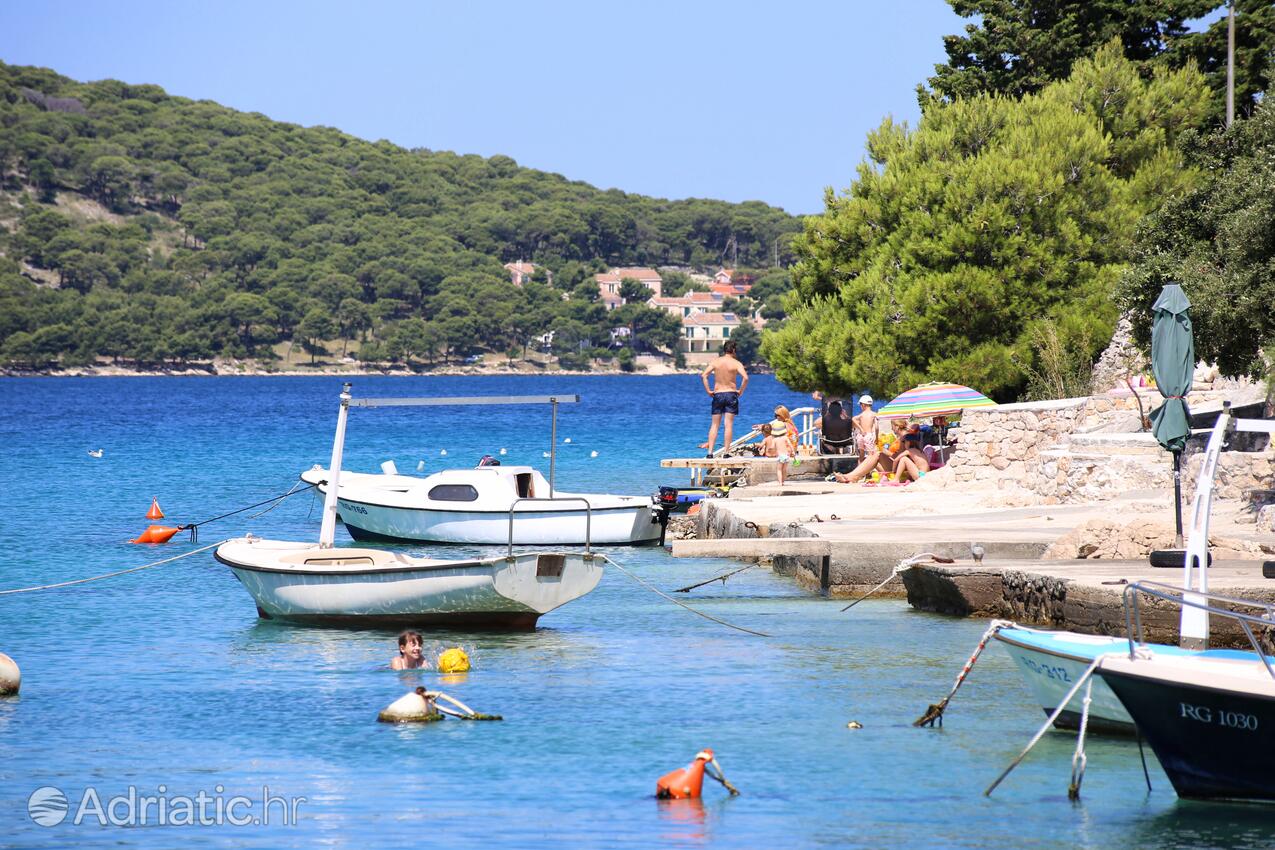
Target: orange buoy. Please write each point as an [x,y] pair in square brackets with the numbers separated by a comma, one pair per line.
[156,534]
[685,782]
[154,512]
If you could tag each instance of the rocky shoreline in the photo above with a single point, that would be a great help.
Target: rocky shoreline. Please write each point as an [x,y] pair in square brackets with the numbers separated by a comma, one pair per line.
[240,369]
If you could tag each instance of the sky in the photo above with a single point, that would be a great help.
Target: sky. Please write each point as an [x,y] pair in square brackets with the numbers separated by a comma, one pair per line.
[699,98]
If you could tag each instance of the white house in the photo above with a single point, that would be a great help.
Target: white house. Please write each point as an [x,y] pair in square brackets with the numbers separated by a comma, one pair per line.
[704,333]
[685,305]
[609,283]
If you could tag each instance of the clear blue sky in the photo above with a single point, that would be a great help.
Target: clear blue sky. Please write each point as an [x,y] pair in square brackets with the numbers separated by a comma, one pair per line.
[730,100]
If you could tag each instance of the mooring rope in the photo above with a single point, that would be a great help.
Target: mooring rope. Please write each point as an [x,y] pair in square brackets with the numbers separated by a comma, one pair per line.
[678,602]
[935,712]
[1062,705]
[907,564]
[722,578]
[112,574]
[193,527]
[1079,760]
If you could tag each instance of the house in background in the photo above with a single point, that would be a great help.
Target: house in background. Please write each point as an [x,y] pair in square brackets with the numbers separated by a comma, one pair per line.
[684,305]
[520,272]
[731,282]
[609,283]
[704,333]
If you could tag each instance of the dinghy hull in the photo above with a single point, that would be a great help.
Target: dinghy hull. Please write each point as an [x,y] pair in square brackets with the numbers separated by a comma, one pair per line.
[372,588]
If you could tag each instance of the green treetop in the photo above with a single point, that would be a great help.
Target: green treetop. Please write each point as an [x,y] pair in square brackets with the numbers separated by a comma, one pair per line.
[958,239]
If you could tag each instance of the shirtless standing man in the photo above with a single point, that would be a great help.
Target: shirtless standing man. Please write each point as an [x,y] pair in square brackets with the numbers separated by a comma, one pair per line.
[724,370]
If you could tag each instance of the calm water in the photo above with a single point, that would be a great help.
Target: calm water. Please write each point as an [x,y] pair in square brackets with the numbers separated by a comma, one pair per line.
[166,677]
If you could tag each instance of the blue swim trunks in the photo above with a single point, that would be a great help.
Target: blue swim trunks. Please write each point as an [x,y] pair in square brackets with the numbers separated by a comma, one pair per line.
[726,402]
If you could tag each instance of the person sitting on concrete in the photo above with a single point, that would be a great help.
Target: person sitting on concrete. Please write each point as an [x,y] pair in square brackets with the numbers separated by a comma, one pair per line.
[910,463]
[881,456]
[836,430]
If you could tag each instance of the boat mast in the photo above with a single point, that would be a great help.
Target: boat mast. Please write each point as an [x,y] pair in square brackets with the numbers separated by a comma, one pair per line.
[327,532]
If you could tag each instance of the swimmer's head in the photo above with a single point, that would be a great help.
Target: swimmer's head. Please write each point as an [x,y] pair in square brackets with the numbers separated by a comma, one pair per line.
[410,643]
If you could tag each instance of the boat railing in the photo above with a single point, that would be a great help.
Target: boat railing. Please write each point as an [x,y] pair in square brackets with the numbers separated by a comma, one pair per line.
[588,517]
[1202,600]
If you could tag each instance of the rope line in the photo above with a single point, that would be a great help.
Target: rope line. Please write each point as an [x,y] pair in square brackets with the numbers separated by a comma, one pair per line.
[1079,760]
[246,508]
[194,526]
[905,564]
[1048,723]
[682,604]
[935,712]
[112,574]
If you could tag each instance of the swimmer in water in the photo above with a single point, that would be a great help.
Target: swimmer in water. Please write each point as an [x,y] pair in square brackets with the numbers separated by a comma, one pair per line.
[410,654]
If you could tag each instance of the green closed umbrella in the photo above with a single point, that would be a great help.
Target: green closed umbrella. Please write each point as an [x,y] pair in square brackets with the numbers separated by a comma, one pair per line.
[1173,364]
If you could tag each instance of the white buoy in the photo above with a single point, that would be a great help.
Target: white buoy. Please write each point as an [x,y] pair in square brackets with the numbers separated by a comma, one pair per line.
[10,676]
[544,454]
[388,467]
[413,707]
[593,453]
[420,466]
[443,452]
[567,440]
[96,452]
[502,451]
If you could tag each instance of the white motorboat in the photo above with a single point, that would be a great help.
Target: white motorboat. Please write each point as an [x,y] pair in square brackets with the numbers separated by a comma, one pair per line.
[347,586]
[485,505]
[324,584]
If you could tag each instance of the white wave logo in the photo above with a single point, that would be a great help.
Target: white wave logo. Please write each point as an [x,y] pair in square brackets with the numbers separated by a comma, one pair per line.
[47,806]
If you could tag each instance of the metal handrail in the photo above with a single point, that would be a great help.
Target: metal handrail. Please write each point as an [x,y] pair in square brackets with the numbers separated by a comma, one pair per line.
[805,435]
[1175,595]
[588,518]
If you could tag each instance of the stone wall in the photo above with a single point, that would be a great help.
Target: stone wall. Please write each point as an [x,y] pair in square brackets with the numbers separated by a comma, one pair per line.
[1001,447]
[1239,475]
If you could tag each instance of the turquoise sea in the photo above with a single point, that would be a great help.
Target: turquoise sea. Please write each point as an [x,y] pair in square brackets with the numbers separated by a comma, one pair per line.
[165,681]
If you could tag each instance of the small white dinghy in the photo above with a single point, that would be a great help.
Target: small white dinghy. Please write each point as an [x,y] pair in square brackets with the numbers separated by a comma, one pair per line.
[483,506]
[322,584]
[346,586]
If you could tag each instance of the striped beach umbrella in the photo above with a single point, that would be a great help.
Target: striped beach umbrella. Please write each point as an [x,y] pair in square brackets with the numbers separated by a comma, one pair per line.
[936,399]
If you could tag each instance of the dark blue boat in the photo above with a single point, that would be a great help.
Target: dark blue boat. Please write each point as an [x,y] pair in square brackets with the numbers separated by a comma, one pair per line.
[1211,722]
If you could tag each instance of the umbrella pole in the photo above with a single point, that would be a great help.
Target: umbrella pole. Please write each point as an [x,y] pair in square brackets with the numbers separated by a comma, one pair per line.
[1177,497]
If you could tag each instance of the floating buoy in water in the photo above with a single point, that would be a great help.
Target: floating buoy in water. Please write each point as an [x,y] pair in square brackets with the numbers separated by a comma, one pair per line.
[154,512]
[567,440]
[96,452]
[156,534]
[686,782]
[413,707]
[420,466]
[10,676]
[854,724]
[593,453]
[502,451]
[443,452]
[453,660]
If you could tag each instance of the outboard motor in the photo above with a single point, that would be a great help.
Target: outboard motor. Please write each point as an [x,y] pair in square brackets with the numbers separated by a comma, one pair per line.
[662,504]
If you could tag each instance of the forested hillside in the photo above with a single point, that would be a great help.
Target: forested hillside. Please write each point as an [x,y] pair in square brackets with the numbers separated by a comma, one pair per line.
[152,228]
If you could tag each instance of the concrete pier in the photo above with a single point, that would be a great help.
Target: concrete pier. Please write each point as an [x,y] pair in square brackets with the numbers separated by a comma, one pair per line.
[1082,595]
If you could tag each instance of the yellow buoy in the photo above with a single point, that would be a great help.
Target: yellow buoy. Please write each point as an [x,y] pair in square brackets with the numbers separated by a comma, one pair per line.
[453,660]
[10,676]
